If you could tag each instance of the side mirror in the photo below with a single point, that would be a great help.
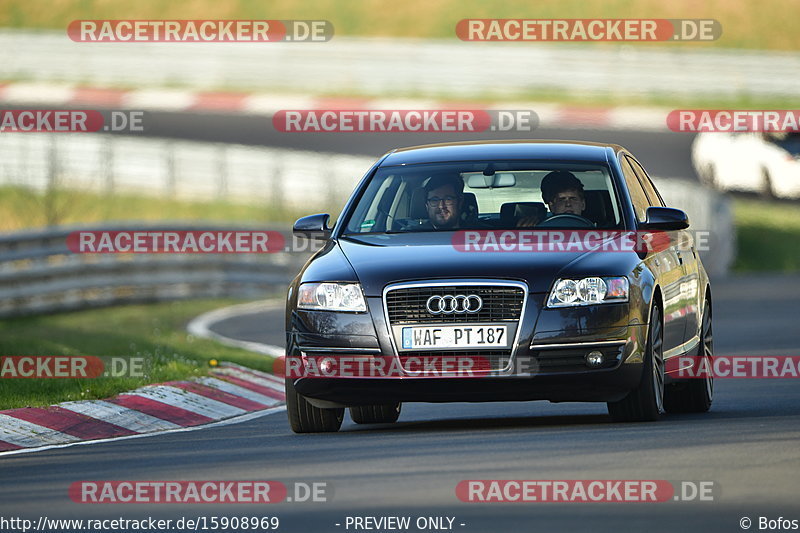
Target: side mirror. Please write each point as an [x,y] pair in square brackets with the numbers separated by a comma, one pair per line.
[313,227]
[665,219]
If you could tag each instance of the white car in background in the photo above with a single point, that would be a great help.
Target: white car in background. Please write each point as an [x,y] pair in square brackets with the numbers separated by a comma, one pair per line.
[767,163]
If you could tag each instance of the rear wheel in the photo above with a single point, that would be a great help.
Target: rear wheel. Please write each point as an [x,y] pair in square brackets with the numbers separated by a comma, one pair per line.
[306,418]
[376,414]
[696,395]
[646,402]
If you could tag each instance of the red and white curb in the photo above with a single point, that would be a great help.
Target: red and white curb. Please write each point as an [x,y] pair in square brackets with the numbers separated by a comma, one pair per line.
[231,393]
[267,104]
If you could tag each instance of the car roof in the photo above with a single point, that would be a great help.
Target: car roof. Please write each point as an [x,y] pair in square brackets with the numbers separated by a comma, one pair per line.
[511,149]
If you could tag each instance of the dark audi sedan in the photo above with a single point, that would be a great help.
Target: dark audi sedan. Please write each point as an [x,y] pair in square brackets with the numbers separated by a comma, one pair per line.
[499,271]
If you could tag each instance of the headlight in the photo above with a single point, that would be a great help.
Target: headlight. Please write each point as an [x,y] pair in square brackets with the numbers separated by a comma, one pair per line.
[331,297]
[588,291]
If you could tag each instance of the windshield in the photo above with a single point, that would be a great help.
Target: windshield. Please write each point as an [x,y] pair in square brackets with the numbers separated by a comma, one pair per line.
[789,141]
[486,195]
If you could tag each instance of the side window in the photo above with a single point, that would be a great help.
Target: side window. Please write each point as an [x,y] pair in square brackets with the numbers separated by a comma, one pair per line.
[649,188]
[638,197]
[372,216]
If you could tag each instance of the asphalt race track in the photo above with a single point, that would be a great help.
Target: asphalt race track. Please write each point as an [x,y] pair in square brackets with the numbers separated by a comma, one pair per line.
[746,445]
[663,153]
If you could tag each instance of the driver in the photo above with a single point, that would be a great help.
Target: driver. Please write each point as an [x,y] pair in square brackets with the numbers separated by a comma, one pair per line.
[563,193]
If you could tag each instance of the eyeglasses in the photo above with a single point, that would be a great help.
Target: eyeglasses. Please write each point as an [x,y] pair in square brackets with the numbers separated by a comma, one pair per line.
[448,200]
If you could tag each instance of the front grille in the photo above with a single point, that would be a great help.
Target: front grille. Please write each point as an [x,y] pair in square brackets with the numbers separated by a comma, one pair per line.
[466,360]
[500,304]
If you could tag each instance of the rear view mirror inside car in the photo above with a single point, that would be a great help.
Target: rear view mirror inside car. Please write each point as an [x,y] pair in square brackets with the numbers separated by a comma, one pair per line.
[495,181]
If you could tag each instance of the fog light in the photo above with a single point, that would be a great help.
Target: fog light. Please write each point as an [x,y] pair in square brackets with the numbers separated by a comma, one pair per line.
[594,359]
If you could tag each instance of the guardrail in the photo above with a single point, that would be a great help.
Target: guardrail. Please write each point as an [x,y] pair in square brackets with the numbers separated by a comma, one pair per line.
[186,170]
[39,274]
[393,66]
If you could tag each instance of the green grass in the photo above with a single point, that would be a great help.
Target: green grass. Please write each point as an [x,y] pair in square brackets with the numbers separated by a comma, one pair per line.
[768,24]
[23,208]
[768,236]
[155,332]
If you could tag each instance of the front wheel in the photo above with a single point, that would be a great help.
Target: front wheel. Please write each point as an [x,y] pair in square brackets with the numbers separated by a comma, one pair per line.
[646,402]
[376,414]
[306,418]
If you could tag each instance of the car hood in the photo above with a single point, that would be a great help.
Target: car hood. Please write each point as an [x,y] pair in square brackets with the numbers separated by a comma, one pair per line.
[381,259]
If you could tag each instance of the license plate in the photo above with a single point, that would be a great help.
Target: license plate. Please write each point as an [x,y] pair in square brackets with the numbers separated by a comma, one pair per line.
[461,336]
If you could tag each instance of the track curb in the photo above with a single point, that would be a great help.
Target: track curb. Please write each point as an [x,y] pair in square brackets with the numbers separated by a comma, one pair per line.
[267,104]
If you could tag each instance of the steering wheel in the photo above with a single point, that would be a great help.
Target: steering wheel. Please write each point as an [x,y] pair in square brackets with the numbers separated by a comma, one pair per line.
[565,220]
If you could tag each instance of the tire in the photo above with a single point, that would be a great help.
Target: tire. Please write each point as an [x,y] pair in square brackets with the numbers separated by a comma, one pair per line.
[646,402]
[695,395]
[376,414]
[305,418]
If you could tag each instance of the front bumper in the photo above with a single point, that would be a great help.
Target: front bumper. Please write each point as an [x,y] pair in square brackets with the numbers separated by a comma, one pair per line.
[554,371]
[595,386]
[548,361]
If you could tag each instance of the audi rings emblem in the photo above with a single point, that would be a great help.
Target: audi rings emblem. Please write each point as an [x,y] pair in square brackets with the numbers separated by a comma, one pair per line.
[449,304]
